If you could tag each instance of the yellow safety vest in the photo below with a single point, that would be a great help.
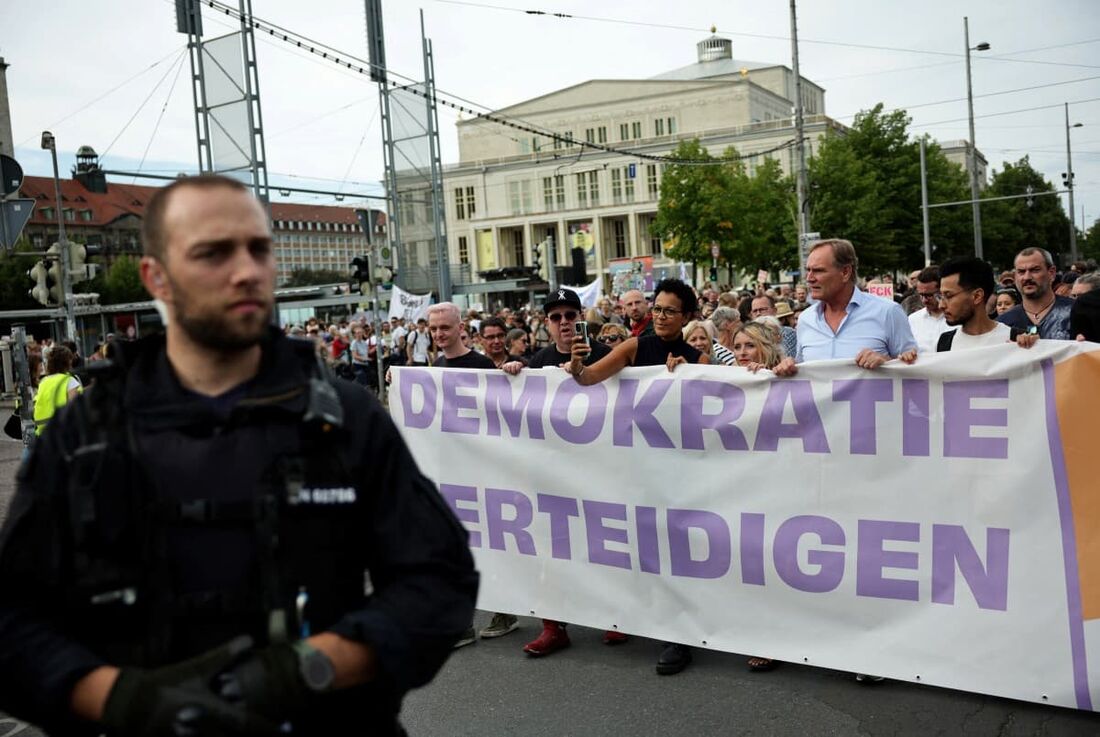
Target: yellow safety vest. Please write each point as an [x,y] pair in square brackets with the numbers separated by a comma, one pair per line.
[53,392]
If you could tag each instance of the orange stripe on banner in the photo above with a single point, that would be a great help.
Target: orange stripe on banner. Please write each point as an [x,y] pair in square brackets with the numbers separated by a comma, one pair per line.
[1077,392]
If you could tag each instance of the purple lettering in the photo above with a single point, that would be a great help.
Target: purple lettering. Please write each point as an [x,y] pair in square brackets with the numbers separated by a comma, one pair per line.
[453,494]
[649,551]
[914,417]
[560,509]
[600,534]
[830,563]
[499,404]
[453,402]
[717,561]
[752,548]
[959,417]
[628,414]
[497,526]
[863,396]
[807,424]
[410,379]
[595,410]
[693,392]
[871,558]
[989,583]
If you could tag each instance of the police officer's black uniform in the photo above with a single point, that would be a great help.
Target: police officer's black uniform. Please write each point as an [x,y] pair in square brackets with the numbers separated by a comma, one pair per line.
[151,524]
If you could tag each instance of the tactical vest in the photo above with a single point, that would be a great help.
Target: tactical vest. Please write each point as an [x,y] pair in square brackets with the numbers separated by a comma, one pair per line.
[123,597]
[53,393]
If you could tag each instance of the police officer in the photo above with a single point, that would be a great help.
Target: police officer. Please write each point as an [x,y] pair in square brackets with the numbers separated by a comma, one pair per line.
[216,538]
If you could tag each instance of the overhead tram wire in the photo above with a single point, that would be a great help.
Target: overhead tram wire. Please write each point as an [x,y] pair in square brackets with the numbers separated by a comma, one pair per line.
[108,93]
[156,127]
[1008,112]
[140,107]
[362,67]
[765,36]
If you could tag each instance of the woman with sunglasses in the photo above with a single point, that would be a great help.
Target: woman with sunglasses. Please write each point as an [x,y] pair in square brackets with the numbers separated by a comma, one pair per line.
[674,304]
[611,334]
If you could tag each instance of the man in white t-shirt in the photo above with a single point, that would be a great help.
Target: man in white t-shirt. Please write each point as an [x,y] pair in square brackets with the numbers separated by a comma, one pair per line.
[965,285]
[928,323]
[418,342]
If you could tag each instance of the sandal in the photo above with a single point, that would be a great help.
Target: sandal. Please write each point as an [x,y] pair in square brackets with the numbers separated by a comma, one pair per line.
[762,664]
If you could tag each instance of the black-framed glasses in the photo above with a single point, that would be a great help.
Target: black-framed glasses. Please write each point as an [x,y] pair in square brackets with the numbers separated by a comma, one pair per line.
[493,336]
[666,312]
[569,316]
[936,296]
[609,338]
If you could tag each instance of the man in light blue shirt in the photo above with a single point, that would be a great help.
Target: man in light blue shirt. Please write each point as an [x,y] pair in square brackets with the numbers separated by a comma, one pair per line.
[845,322]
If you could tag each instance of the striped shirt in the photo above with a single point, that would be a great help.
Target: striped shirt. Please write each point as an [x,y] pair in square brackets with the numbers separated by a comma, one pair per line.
[722,354]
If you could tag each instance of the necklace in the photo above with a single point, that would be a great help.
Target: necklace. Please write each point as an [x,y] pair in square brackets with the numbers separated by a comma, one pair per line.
[1035,315]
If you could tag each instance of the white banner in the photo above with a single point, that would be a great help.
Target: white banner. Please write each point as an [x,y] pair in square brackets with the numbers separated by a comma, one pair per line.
[936,523]
[409,306]
[590,293]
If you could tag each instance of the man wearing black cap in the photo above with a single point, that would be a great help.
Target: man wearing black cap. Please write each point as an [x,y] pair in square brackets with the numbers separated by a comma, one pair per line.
[563,308]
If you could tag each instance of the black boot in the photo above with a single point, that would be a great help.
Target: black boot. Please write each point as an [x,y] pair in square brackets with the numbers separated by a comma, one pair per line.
[673,659]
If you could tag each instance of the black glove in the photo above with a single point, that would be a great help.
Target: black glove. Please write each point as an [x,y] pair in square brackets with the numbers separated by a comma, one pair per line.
[178,699]
[272,682]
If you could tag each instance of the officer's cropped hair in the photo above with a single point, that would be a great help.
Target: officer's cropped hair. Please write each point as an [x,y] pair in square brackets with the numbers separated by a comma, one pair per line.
[973,273]
[844,254]
[153,237]
[1048,260]
[688,302]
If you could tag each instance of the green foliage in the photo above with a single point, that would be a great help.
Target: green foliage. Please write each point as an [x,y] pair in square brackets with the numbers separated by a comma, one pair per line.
[749,217]
[1090,245]
[309,277]
[865,187]
[1010,225]
[15,285]
[122,283]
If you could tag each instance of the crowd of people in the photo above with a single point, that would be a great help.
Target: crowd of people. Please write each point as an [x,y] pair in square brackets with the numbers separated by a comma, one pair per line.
[959,304]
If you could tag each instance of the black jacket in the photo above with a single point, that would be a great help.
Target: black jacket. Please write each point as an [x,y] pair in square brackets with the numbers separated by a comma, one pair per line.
[356,526]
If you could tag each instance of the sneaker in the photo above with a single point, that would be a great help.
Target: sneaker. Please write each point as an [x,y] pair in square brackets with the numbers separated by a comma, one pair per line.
[614,637]
[501,625]
[469,637]
[553,638]
[866,679]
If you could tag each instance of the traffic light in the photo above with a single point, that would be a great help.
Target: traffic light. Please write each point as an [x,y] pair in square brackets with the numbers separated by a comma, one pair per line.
[53,253]
[542,261]
[361,271]
[1030,199]
[40,293]
[77,256]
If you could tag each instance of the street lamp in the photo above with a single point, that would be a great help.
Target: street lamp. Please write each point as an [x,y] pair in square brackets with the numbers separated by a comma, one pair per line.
[1068,177]
[973,154]
[48,143]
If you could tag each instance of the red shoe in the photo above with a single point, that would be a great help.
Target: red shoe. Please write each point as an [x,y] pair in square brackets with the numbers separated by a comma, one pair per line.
[553,638]
[614,637]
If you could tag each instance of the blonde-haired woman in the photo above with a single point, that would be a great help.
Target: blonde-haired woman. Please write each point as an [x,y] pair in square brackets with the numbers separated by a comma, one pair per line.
[700,335]
[755,346]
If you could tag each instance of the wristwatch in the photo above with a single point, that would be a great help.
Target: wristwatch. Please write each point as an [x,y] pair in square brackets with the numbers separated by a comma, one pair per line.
[315,667]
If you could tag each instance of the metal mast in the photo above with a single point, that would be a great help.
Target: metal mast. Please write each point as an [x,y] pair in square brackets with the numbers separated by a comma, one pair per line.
[441,253]
[801,183]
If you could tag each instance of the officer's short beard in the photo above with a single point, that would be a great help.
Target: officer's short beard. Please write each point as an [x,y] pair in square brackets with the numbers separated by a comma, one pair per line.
[216,332]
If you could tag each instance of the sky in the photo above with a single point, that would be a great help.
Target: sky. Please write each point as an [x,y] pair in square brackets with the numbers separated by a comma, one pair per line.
[113,74]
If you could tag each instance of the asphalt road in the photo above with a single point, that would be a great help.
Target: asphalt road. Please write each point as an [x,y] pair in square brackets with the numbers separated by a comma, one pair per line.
[492,689]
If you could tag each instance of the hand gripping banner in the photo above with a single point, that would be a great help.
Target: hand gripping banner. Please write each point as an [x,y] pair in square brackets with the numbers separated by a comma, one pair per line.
[936,523]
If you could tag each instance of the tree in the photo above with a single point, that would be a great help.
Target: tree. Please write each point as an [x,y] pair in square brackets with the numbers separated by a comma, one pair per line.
[309,277]
[122,283]
[765,231]
[1090,245]
[865,186]
[15,285]
[696,206]
[1010,225]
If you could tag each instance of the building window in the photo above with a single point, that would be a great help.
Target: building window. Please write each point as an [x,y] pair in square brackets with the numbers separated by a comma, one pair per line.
[463,250]
[547,194]
[601,134]
[589,135]
[636,129]
[47,213]
[559,190]
[460,204]
[628,186]
[651,181]
[624,131]
[69,214]
[470,208]
[671,125]
[659,127]
[513,197]
[517,250]
[594,187]
[616,186]
[618,238]
[582,189]
[525,195]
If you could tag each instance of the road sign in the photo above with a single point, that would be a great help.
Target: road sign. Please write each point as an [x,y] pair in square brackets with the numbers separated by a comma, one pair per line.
[714,250]
[14,214]
[631,171]
[12,174]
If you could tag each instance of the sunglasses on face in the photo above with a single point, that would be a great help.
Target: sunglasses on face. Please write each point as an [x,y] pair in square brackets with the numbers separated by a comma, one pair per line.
[559,316]
[609,338]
